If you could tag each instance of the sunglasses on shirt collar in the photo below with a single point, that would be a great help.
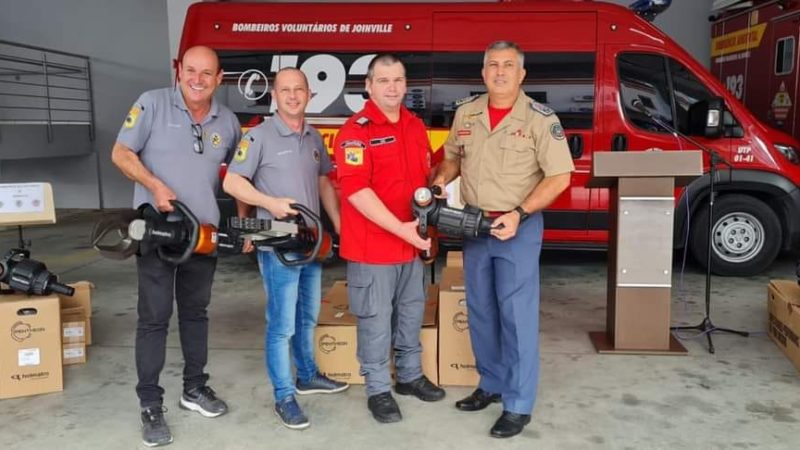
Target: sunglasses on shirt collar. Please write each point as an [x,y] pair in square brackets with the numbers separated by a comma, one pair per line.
[197,132]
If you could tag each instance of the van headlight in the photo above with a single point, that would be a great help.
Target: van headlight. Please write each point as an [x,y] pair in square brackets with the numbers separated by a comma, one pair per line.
[789,152]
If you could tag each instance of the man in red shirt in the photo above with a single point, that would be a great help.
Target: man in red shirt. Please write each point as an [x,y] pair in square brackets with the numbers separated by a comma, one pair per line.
[383,155]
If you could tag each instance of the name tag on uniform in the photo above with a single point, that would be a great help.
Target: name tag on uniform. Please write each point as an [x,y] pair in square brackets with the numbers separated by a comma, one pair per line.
[382,141]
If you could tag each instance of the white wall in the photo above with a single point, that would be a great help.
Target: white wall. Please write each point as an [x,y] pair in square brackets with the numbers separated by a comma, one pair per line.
[128,44]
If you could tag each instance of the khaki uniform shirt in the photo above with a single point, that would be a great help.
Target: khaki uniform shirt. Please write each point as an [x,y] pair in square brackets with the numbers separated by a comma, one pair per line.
[501,167]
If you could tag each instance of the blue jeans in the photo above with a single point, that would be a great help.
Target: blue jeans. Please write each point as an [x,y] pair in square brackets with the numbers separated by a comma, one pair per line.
[293,301]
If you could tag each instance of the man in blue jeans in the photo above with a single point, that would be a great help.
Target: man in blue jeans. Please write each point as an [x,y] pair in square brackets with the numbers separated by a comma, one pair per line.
[286,160]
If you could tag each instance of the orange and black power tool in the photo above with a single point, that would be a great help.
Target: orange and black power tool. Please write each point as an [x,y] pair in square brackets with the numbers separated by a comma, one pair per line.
[174,236]
[293,240]
[178,235]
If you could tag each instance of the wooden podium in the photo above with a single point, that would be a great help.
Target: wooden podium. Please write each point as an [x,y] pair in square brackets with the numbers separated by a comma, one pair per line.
[641,218]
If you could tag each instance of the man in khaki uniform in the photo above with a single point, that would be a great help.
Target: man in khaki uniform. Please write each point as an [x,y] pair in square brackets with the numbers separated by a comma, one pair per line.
[513,159]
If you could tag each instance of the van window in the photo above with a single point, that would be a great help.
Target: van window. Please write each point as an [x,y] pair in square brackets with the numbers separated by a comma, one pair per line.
[784,55]
[561,81]
[643,77]
[668,90]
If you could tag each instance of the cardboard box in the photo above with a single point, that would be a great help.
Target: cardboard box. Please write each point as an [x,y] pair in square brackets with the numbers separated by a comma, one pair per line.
[82,297]
[783,304]
[456,360]
[455,259]
[336,337]
[30,346]
[77,314]
[73,326]
[74,353]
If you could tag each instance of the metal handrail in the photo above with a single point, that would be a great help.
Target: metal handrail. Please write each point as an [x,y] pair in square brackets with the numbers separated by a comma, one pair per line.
[38,85]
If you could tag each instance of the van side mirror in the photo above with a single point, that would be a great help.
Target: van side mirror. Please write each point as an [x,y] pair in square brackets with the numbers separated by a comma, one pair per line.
[705,118]
[714,125]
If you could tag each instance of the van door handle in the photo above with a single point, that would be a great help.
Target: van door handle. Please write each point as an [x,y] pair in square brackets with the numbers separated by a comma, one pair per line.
[619,143]
[576,146]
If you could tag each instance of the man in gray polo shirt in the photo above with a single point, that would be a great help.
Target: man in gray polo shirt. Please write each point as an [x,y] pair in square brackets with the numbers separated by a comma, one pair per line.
[286,160]
[172,144]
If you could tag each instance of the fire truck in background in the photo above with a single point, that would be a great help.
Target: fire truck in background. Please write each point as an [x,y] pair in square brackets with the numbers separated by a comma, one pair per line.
[594,63]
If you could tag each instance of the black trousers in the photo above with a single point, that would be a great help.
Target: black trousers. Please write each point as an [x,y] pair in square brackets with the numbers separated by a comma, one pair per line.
[159,283]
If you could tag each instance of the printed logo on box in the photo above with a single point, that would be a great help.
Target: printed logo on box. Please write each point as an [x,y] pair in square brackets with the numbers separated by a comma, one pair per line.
[328,343]
[459,366]
[30,376]
[460,322]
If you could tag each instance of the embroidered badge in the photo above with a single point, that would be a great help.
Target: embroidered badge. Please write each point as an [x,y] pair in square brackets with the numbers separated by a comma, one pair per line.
[241,150]
[316,155]
[353,143]
[216,139]
[354,156]
[557,131]
[133,115]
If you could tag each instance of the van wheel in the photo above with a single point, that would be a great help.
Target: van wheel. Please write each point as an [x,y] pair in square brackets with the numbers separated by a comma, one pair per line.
[746,236]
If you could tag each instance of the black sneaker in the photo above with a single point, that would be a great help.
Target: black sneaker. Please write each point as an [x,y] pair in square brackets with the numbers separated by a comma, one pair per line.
[422,388]
[290,414]
[320,384]
[384,409]
[155,431]
[204,400]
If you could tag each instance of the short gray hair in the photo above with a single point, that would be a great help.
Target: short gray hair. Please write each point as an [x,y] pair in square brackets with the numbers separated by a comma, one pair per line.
[385,59]
[504,45]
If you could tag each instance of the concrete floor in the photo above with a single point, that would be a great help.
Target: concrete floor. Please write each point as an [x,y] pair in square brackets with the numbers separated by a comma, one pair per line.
[747,395]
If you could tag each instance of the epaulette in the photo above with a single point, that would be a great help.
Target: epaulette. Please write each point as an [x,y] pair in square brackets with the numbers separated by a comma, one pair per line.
[465,100]
[363,120]
[540,108]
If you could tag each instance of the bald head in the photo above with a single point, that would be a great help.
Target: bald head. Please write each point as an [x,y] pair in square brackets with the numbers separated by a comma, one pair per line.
[201,52]
[289,73]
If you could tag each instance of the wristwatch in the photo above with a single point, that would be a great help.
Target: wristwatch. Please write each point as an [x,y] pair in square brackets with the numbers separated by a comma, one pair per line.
[522,214]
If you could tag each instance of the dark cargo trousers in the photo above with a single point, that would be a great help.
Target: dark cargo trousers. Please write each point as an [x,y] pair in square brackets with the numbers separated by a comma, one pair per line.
[189,284]
[389,301]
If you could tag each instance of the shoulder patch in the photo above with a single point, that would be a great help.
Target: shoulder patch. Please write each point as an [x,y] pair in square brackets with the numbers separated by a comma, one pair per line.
[362,120]
[133,115]
[241,150]
[557,131]
[541,109]
[465,100]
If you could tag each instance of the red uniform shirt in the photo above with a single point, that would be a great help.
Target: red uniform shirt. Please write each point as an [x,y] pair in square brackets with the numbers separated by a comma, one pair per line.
[393,159]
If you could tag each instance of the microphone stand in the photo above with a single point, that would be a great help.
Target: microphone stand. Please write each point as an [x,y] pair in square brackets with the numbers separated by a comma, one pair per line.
[706,326]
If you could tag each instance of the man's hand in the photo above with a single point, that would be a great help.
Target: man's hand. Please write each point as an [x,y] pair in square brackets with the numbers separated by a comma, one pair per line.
[162,196]
[280,207]
[248,246]
[505,226]
[439,181]
[407,231]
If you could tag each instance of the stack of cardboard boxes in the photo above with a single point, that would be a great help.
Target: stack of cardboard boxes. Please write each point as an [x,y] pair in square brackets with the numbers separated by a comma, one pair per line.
[446,351]
[36,333]
[76,323]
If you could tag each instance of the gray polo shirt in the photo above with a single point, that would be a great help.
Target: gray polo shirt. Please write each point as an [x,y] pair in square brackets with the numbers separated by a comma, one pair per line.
[283,163]
[159,129]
